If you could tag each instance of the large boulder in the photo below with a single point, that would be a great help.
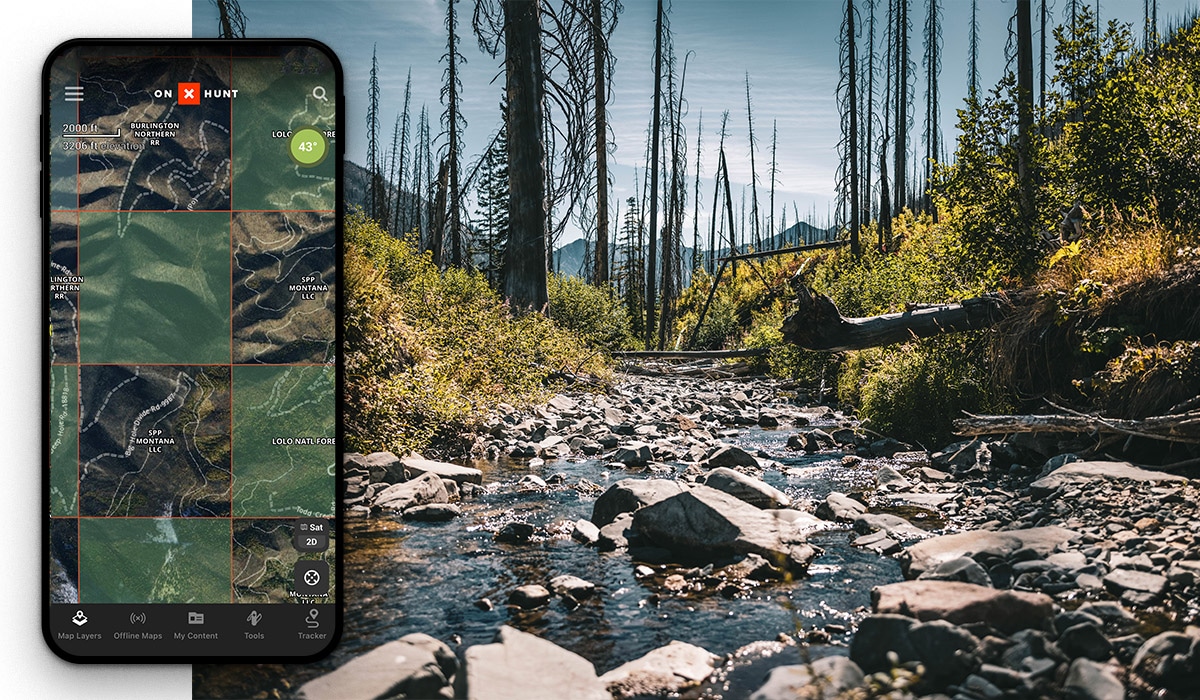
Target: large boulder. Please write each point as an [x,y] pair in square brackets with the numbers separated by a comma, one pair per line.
[627,495]
[706,523]
[521,666]
[928,554]
[1084,472]
[415,466]
[756,492]
[840,507]
[414,666]
[381,467]
[730,456]
[832,675]
[662,672]
[964,603]
[427,488]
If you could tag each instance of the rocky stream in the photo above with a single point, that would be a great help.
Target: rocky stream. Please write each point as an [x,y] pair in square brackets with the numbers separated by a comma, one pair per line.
[691,538]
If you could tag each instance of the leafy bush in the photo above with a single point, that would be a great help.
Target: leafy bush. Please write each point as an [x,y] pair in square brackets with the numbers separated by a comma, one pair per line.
[913,392]
[594,314]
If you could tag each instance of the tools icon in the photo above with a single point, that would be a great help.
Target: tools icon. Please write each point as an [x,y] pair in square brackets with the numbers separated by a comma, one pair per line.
[254,618]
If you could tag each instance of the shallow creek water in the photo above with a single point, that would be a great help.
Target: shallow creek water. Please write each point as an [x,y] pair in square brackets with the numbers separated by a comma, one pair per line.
[403,577]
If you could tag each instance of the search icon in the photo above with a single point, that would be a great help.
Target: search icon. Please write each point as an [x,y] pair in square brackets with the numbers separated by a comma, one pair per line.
[318,93]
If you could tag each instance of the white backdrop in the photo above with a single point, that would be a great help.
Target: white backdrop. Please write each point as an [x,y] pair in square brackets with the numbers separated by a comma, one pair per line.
[27,667]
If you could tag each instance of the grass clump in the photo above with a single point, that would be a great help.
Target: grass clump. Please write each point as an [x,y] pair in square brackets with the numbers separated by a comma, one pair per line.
[429,352]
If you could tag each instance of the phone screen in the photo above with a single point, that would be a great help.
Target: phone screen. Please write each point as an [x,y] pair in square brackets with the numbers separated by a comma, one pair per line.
[192,223]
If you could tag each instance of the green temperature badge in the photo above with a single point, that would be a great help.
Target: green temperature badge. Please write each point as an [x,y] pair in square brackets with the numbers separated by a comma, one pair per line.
[308,147]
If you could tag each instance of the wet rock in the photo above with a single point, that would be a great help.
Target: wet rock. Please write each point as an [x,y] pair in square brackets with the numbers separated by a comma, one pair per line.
[964,603]
[521,666]
[833,675]
[705,522]
[628,495]
[889,479]
[433,513]
[414,666]
[840,507]
[586,532]
[572,586]
[662,672]
[427,488]
[1075,473]
[730,456]
[878,542]
[529,596]
[515,532]
[1088,680]
[415,466]
[753,567]
[633,454]
[616,534]
[754,491]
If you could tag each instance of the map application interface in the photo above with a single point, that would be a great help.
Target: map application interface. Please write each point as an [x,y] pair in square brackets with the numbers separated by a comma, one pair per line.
[191,427]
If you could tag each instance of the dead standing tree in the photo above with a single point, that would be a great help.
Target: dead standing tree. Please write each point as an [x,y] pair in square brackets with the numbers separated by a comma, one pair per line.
[548,81]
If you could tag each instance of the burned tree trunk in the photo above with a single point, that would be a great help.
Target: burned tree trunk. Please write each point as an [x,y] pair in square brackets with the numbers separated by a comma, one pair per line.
[818,325]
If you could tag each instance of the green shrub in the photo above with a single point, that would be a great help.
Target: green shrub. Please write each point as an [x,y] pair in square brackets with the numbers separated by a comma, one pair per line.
[594,314]
[913,392]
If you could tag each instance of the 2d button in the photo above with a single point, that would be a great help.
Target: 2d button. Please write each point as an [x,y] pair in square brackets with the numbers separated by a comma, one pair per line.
[311,577]
[312,535]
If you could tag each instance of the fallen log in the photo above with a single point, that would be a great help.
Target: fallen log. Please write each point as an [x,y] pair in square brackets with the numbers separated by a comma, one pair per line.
[691,354]
[818,325]
[1184,427]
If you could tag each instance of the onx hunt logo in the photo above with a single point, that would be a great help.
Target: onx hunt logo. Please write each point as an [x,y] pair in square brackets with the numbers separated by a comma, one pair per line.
[189,93]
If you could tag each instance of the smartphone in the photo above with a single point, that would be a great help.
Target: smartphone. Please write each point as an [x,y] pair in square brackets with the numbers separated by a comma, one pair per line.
[191,211]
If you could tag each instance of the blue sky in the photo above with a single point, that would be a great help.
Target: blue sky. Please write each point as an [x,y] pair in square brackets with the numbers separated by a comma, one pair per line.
[788,47]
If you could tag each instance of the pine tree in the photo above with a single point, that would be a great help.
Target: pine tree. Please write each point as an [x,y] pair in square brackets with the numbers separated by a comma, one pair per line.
[374,194]
[493,205]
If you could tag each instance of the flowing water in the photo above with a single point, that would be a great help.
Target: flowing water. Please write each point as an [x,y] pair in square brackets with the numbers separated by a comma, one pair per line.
[403,577]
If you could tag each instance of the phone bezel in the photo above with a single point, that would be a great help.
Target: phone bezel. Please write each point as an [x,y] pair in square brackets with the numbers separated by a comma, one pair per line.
[338,154]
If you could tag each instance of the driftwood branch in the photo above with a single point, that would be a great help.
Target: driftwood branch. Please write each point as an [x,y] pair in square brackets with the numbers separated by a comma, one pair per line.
[818,325]
[1184,427]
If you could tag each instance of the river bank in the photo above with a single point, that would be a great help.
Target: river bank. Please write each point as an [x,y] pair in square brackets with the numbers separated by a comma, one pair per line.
[720,530]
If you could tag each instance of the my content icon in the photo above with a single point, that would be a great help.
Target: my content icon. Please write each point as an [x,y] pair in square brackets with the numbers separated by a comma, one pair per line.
[312,619]
[254,618]
[195,618]
[80,619]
